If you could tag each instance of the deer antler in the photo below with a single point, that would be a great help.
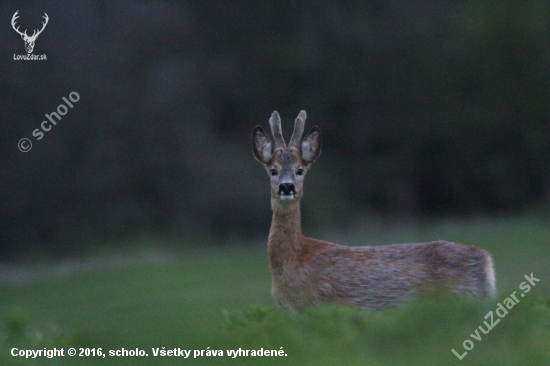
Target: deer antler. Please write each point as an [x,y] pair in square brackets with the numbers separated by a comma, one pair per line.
[24,34]
[13,19]
[276,130]
[34,34]
[298,130]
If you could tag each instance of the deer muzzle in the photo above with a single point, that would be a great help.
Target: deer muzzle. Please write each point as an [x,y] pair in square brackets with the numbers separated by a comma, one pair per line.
[286,191]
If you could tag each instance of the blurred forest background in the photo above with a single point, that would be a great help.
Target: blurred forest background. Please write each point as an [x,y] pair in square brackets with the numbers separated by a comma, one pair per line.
[427,108]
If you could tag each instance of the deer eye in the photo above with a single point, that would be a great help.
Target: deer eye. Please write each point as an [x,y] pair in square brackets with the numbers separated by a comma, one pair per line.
[300,171]
[273,172]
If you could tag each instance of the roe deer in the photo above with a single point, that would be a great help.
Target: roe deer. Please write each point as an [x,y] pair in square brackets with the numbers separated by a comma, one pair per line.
[307,272]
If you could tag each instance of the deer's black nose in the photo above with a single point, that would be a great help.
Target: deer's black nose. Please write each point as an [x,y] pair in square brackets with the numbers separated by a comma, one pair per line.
[287,188]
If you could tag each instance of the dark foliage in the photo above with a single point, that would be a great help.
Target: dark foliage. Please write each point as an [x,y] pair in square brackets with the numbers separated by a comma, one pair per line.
[425,107]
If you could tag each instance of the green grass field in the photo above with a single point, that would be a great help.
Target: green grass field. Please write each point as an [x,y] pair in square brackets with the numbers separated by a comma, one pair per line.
[219,299]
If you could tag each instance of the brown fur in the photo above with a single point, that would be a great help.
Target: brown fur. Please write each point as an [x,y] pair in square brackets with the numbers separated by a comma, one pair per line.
[307,272]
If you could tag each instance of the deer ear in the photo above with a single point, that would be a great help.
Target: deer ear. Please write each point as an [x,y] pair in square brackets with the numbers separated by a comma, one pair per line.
[311,145]
[261,146]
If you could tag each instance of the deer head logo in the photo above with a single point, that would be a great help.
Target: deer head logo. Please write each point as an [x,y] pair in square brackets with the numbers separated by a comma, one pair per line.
[29,41]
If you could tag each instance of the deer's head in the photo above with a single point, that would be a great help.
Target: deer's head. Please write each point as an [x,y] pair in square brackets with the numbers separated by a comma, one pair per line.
[286,165]
[29,40]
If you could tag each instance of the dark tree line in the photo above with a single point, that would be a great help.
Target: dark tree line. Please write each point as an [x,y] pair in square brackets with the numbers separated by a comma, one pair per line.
[426,108]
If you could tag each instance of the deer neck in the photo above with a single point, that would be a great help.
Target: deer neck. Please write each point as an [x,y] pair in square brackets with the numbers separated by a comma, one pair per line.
[284,241]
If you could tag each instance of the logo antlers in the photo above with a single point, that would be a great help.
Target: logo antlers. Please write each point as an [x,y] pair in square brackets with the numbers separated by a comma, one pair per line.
[29,41]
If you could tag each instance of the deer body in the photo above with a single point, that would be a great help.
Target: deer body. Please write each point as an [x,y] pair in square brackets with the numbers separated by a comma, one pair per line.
[306,271]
